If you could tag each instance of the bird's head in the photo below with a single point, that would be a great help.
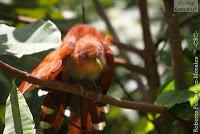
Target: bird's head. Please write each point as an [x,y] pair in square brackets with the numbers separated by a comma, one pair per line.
[89,57]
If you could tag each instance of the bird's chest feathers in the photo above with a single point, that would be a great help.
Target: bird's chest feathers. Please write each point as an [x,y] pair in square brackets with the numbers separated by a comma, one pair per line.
[85,70]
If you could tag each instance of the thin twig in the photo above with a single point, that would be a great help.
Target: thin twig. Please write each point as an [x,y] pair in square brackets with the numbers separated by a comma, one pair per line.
[128,47]
[123,88]
[132,68]
[83,11]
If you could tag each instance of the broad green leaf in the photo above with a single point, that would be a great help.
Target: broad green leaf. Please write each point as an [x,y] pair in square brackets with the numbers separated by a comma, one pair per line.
[18,118]
[33,38]
[170,98]
[196,89]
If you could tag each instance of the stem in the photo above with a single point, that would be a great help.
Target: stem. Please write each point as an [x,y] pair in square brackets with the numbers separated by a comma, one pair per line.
[175,45]
[83,11]
[150,49]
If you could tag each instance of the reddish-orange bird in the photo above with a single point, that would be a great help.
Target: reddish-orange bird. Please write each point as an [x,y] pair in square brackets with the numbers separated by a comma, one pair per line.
[85,60]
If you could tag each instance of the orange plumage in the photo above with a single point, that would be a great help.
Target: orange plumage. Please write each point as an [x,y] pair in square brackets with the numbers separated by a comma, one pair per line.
[83,59]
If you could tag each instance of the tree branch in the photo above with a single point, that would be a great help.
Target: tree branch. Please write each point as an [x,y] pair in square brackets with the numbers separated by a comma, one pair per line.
[66,87]
[150,51]
[175,45]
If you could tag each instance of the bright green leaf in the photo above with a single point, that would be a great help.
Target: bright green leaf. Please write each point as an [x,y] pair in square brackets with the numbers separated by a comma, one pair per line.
[167,87]
[170,98]
[18,118]
[33,38]
[196,89]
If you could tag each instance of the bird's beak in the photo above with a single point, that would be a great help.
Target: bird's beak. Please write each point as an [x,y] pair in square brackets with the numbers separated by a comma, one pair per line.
[99,63]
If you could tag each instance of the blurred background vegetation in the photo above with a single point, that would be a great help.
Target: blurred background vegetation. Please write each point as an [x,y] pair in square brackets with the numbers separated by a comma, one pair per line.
[125,18]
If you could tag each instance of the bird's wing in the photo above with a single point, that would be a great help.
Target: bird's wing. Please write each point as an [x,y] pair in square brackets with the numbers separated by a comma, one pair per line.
[50,66]
[107,74]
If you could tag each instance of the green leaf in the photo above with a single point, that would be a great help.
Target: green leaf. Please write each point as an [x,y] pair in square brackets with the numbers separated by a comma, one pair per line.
[2,114]
[196,89]
[167,87]
[18,118]
[170,98]
[184,111]
[144,126]
[33,38]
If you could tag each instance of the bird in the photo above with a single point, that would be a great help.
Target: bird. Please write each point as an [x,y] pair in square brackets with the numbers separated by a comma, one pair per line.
[84,59]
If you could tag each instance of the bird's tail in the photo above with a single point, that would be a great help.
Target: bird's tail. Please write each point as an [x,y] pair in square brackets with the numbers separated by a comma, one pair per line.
[83,115]
[52,112]
[86,115]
